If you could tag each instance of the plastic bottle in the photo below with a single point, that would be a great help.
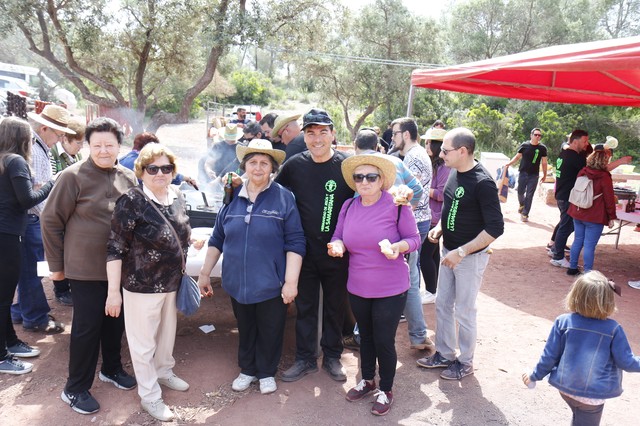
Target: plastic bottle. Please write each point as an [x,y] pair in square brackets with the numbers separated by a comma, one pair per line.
[228,190]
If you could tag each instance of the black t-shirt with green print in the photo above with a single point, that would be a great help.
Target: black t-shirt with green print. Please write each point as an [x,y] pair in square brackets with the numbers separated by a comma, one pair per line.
[471,205]
[531,157]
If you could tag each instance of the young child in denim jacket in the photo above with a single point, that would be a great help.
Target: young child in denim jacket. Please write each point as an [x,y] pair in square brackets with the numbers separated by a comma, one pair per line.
[586,351]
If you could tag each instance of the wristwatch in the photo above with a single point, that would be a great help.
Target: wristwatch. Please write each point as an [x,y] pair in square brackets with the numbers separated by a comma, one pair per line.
[461,252]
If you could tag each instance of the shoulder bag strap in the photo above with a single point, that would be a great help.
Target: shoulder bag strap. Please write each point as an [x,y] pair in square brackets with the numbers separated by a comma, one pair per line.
[173,231]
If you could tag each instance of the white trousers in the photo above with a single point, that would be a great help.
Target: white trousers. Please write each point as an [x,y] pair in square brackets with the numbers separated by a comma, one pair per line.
[150,321]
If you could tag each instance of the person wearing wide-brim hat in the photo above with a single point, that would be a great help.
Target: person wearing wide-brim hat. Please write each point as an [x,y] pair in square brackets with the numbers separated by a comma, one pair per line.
[261,235]
[375,232]
[287,129]
[32,308]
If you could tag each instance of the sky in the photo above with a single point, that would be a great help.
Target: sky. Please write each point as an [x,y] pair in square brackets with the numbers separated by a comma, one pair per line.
[431,8]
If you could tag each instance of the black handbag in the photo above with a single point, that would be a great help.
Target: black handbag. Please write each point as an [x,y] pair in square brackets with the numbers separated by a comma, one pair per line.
[188,297]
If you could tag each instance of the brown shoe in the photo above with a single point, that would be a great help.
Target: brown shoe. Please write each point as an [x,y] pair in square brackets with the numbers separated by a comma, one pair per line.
[382,404]
[361,390]
[427,344]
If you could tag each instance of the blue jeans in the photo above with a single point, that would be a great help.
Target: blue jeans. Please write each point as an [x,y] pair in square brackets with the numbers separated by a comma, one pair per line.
[413,309]
[527,183]
[32,307]
[456,304]
[565,228]
[587,235]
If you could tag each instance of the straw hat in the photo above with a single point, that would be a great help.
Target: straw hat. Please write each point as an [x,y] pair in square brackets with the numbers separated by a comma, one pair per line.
[434,134]
[261,146]
[53,116]
[385,166]
[230,132]
[282,121]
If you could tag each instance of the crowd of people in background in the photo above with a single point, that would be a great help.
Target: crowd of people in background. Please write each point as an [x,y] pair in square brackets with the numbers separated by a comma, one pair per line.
[303,216]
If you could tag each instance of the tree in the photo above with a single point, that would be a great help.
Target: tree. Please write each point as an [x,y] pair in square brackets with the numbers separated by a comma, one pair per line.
[121,58]
[621,18]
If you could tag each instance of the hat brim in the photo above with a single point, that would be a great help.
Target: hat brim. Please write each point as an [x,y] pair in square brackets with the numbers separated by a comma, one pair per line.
[38,118]
[385,165]
[276,154]
[279,124]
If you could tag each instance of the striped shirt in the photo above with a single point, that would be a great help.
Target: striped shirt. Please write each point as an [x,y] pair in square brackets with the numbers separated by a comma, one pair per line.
[40,168]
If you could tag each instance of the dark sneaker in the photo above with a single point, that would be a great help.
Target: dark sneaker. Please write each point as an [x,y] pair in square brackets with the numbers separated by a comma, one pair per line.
[572,271]
[11,365]
[382,404]
[351,342]
[65,299]
[457,370]
[298,370]
[361,390]
[121,380]
[51,327]
[434,361]
[22,350]
[81,402]
[334,368]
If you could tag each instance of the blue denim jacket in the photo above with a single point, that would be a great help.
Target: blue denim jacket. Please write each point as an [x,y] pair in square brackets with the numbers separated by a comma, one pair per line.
[586,356]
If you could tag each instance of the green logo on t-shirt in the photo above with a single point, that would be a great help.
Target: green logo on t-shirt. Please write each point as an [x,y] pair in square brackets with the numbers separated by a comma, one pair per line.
[558,165]
[451,219]
[331,185]
[327,208]
[535,156]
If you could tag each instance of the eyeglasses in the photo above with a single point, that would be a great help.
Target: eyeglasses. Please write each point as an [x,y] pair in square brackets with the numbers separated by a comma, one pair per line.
[447,151]
[166,169]
[369,177]
[538,135]
[247,218]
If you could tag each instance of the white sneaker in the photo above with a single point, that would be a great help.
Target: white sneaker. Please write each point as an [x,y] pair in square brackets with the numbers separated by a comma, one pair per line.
[561,263]
[634,284]
[158,410]
[174,382]
[428,298]
[242,382]
[268,385]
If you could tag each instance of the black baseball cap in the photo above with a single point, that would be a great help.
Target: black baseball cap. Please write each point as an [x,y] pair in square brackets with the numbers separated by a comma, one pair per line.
[316,116]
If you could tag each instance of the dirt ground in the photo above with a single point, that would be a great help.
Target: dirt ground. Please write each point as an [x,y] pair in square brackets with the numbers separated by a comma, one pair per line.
[521,296]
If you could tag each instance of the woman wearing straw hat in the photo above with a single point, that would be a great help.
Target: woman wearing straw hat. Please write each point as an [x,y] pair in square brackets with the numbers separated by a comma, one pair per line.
[263,242]
[375,232]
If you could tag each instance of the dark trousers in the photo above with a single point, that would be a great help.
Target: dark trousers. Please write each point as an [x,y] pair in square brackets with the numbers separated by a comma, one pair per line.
[430,264]
[583,414]
[565,228]
[378,322]
[330,273]
[9,276]
[91,332]
[261,332]
[527,183]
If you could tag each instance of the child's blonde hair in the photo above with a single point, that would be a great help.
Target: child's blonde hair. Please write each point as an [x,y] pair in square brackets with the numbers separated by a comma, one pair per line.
[591,296]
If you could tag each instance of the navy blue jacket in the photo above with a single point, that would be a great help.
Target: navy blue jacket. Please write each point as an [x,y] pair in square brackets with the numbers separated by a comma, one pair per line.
[255,244]
[586,356]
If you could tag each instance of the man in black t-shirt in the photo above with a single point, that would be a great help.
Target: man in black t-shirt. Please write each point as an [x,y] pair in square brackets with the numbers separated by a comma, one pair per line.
[530,154]
[315,178]
[471,220]
[569,163]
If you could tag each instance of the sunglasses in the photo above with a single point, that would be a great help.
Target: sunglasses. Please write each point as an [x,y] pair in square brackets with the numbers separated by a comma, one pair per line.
[247,218]
[369,177]
[539,135]
[166,169]
[447,151]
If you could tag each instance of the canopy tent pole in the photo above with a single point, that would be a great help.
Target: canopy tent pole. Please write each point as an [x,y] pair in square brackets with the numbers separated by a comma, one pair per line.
[412,91]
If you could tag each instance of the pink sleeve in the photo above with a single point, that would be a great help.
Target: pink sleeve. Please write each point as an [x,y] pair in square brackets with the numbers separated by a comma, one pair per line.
[408,229]
[337,234]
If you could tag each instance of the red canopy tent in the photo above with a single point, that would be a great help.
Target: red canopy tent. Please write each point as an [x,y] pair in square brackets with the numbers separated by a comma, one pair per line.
[598,73]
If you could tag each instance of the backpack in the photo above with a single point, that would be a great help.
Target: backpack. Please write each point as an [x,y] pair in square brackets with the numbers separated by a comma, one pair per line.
[581,194]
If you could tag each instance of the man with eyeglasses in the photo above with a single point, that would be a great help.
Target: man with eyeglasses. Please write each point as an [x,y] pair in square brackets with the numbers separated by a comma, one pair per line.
[252,130]
[315,178]
[530,154]
[471,220]
[405,138]
[32,308]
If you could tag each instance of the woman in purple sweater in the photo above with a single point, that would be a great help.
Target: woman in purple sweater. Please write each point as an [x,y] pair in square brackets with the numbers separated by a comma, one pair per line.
[430,253]
[378,274]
